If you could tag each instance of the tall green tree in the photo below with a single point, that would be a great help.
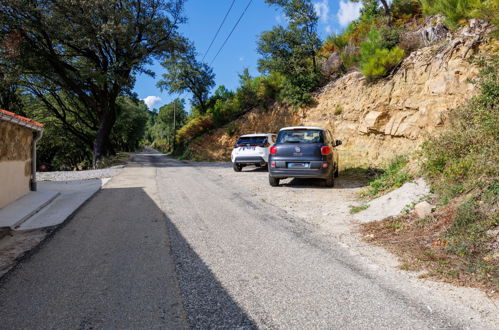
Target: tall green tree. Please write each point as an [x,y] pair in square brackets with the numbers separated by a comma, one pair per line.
[171,118]
[184,73]
[77,57]
[295,44]
[292,50]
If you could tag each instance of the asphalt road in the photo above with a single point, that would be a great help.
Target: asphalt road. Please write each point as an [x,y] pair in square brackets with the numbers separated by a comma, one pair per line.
[169,244]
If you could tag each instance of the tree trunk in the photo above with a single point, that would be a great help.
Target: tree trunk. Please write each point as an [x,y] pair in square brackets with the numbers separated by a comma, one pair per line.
[101,142]
[386,7]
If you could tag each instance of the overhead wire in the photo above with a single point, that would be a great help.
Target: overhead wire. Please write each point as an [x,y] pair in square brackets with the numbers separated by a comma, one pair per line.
[233,28]
[219,27]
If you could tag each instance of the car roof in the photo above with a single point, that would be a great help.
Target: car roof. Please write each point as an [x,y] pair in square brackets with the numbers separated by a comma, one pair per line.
[257,134]
[301,127]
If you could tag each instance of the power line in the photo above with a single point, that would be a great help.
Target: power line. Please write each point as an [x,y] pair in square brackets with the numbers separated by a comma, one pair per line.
[235,25]
[216,34]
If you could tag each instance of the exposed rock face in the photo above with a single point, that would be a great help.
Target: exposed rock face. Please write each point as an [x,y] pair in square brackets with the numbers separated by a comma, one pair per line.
[331,65]
[375,121]
[218,145]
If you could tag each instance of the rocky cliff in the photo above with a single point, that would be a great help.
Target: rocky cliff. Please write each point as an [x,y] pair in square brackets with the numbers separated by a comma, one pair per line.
[380,120]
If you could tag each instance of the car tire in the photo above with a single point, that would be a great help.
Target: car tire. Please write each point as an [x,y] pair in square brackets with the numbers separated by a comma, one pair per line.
[337,171]
[237,167]
[330,181]
[274,182]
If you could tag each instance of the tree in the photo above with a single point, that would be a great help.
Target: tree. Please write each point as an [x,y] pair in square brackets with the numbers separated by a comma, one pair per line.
[185,74]
[131,124]
[77,57]
[171,117]
[368,3]
[298,40]
[292,50]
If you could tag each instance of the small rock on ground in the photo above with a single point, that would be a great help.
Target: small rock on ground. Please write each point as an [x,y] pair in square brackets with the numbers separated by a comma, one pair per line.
[423,209]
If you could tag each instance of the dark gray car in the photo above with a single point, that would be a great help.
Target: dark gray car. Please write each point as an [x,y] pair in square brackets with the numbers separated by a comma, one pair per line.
[304,152]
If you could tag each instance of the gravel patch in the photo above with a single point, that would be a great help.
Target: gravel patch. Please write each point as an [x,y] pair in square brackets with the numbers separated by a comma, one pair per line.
[394,202]
[79,175]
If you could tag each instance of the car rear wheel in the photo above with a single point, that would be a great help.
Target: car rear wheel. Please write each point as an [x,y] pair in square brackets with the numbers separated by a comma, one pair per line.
[274,182]
[337,172]
[237,167]
[330,181]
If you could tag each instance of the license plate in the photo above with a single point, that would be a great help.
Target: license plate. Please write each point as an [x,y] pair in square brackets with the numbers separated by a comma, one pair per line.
[298,165]
[248,148]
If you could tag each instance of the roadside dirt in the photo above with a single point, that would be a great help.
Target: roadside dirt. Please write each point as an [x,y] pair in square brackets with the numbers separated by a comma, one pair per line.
[329,211]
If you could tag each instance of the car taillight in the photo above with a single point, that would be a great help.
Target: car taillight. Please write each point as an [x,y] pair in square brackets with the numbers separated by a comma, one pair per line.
[325,150]
[273,150]
[324,165]
[272,164]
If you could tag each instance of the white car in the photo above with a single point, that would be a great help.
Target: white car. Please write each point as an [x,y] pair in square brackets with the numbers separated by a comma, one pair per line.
[252,149]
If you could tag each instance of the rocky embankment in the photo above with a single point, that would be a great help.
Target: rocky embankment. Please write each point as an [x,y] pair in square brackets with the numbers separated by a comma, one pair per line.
[376,120]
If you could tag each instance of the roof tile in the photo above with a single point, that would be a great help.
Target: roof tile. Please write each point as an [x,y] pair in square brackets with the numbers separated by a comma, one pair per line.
[27,120]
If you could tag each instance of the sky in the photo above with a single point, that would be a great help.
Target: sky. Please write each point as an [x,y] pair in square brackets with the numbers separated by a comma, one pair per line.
[204,18]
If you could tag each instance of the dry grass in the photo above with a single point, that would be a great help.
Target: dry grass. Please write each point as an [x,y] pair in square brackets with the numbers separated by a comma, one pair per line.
[423,245]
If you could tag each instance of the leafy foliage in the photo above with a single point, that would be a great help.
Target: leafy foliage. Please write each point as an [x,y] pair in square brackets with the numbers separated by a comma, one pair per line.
[130,126]
[292,50]
[186,74]
[163,129]
[382,62]
[59,150]
[77,57]
[456,11]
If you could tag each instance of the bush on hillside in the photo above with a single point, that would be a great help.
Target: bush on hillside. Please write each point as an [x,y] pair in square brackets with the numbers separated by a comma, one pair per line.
[456,11]
[194,128]
[403,10]
[381,63]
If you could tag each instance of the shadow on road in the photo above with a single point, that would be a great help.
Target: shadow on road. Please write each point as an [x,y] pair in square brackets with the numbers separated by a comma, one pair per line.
[109,267]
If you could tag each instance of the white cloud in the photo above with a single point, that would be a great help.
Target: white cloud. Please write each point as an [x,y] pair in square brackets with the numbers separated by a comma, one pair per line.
[329,29]
[322,10]
[151,101]
[241,58]
[348,12]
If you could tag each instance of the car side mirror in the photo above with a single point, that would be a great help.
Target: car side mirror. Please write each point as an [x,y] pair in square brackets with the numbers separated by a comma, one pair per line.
[338,143]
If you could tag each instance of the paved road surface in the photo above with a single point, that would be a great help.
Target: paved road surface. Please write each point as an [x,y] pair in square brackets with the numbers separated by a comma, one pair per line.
[172,245]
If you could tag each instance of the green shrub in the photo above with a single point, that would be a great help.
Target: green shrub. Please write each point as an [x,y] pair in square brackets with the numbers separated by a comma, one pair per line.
[194,128]
[231,129]
[405,8]
[296,91]
[372,43]
[456,11]
[381,63]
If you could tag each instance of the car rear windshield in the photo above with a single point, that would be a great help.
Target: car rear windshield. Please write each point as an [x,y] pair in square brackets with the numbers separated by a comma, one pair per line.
[301,136]
[252,140]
